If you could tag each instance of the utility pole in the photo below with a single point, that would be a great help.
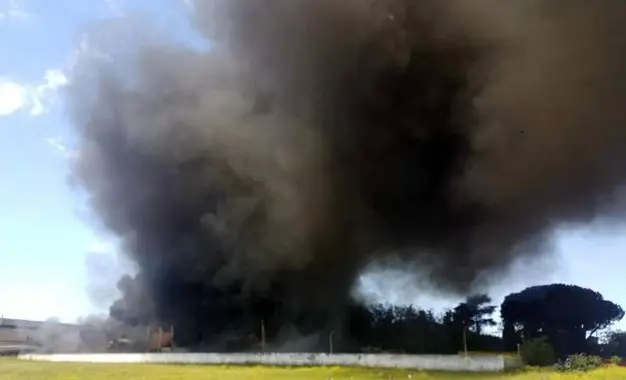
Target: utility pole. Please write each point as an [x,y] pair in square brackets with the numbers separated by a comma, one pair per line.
[262,336]
[465,340]
[330,341]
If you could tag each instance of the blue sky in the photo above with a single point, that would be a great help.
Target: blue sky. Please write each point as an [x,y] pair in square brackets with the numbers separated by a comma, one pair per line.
[45,234]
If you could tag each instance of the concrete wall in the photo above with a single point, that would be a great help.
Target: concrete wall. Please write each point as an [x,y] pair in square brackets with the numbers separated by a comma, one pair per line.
[420,362]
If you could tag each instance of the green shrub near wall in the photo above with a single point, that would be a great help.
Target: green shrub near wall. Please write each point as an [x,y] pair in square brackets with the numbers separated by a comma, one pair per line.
[580,363]
[537,352]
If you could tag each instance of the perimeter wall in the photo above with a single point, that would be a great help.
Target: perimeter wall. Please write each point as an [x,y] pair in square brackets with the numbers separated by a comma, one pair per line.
[421,362]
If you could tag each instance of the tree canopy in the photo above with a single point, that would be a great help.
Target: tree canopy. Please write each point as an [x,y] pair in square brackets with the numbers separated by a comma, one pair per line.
[567,315]
[476,313]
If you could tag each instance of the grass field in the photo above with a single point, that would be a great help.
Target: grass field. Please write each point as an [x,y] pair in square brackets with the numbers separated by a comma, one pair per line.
[13,369]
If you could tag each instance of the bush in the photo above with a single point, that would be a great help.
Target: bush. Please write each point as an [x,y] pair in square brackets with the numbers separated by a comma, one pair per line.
[580,362]
[616,360]
[537,352]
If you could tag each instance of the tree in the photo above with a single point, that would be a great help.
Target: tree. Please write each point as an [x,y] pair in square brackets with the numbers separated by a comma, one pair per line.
[567,315]
[409,329]
[616,344]
[478,312]
[474,314]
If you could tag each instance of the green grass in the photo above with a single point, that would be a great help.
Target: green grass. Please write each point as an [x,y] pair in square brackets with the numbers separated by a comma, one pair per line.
[12,369]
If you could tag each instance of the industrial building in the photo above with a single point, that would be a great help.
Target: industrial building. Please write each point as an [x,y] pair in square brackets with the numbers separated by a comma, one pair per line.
[18,335]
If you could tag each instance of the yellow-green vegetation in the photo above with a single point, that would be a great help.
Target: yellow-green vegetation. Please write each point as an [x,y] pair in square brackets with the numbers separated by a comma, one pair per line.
[12,369]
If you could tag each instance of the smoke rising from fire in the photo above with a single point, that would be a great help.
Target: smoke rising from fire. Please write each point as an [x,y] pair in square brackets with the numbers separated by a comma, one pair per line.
[254,181]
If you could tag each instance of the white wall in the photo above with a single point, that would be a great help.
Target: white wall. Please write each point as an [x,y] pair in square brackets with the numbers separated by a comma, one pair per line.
[481,363]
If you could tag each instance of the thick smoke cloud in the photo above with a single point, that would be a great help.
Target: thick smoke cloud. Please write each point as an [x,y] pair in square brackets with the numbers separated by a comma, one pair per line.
[254,181]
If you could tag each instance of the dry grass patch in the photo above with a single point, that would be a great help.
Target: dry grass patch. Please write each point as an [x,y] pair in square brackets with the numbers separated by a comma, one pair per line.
[12,369]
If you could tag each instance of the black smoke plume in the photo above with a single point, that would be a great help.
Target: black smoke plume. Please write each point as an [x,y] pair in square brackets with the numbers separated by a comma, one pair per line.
[253,181]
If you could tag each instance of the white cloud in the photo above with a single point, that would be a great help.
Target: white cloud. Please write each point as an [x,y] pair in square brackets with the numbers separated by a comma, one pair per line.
[85,53]
[61,147]
[13,96]
[99,246]
[44,92]
[34,98]
[115,7]
[189,4]
[13,10]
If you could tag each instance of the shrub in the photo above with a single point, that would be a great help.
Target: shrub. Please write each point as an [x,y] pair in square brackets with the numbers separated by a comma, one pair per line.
[615,360]
[537,352]
[580,362]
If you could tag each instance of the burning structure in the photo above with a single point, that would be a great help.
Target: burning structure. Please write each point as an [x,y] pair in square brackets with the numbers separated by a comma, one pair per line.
[156,340]
[254,181]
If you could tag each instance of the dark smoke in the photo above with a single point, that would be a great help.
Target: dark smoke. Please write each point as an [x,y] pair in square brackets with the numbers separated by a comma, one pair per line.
[254,181]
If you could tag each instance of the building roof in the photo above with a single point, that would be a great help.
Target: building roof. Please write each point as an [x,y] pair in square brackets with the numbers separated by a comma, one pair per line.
[26,324]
